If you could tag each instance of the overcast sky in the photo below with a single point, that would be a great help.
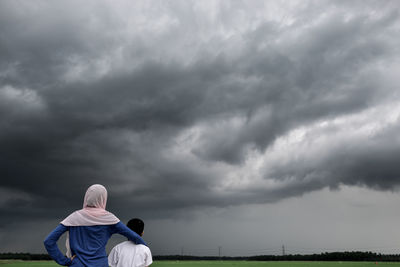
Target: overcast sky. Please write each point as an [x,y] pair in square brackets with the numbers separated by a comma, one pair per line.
[242,124]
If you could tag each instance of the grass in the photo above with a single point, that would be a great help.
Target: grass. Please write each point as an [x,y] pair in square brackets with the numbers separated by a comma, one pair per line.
[11,263]
[267,264]
[18,263]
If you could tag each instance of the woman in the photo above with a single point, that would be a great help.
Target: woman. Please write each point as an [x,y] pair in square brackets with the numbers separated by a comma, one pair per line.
[88,231]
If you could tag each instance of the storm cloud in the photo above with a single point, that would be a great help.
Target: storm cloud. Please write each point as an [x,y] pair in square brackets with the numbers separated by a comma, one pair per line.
[180,105]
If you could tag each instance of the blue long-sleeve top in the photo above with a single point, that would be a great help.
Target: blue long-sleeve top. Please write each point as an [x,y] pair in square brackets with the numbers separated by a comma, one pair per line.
[88,243]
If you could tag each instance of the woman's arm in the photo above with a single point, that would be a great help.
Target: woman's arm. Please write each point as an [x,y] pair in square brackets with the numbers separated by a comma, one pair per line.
[128,233]
[51,246]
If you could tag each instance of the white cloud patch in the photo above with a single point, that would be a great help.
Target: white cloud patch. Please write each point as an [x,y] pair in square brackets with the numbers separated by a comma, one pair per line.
[21,101]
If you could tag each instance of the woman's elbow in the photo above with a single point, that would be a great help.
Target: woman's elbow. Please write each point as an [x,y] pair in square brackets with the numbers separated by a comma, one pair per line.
[48,243]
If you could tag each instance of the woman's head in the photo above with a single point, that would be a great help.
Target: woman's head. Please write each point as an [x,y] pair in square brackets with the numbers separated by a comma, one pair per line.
[95,197]
[94,209]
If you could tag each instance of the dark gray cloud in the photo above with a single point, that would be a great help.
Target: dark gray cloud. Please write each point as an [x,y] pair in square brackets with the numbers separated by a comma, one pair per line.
[176,106]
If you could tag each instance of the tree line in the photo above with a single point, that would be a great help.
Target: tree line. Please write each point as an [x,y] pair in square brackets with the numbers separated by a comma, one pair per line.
[24,256]
[327,256]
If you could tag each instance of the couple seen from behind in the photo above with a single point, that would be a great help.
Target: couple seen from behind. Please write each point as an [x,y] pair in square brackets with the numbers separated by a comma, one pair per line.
[89,229]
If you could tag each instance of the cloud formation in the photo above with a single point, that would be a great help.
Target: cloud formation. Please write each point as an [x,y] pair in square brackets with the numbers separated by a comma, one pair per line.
[180,105]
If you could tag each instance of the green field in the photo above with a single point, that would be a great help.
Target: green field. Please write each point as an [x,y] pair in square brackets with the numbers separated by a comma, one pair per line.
[221,263]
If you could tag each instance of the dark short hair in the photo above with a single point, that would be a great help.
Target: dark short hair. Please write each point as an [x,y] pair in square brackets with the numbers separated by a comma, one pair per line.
[136,225]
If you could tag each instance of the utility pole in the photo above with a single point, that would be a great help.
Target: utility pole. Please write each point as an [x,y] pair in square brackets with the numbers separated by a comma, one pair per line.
[219,251]
[181,251]
[283,250]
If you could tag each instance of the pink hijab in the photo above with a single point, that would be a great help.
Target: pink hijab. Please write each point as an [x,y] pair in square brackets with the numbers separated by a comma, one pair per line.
[93,212]
[94,209]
